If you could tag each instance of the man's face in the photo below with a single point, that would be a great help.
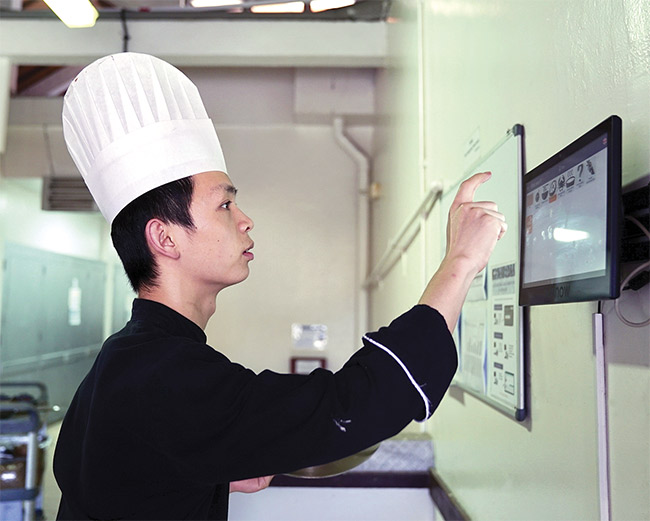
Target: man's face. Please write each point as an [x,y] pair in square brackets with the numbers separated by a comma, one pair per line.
[216,254]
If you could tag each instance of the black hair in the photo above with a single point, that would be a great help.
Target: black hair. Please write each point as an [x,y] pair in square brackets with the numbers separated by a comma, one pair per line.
[171,204]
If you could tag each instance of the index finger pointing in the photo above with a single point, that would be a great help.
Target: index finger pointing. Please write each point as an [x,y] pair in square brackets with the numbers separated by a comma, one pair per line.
[468,188]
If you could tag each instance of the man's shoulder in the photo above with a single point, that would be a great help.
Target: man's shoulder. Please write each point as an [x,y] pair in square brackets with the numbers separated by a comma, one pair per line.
[147,345]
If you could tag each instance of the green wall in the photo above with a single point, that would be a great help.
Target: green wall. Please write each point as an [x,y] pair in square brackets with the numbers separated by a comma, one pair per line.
[558,68]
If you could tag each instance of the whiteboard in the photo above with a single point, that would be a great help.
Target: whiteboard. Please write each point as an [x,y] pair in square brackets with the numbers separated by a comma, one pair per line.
[489,336]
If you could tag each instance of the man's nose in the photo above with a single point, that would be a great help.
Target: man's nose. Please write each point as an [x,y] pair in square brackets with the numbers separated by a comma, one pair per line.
[246,222]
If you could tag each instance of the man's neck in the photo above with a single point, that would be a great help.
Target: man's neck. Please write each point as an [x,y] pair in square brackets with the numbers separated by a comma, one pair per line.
[197,308]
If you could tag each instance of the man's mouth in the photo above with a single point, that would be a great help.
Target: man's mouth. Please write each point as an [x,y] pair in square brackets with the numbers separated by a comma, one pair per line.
[248,253]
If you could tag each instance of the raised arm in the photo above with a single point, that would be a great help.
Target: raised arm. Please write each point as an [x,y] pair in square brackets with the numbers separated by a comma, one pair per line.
[473,229]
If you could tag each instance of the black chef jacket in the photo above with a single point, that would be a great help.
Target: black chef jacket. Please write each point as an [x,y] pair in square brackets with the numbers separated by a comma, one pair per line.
[163,422]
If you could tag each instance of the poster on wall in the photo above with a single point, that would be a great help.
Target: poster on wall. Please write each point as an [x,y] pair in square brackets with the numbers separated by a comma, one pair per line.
[489,335]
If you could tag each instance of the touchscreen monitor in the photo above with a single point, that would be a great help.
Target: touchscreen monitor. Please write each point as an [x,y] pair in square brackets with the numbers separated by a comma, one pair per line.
[570,221]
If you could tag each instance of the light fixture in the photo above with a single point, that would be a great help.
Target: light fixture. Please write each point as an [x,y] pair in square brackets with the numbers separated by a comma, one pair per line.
[285,7]
[318,6]
[74,13]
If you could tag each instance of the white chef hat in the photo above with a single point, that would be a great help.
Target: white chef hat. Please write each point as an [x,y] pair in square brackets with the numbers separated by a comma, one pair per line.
[133,122]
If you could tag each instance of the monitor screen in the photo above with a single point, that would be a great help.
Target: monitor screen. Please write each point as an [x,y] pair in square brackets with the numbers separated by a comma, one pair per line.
[570,221]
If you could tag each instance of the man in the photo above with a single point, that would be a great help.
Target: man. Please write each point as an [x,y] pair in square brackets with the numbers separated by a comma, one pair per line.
[164,426]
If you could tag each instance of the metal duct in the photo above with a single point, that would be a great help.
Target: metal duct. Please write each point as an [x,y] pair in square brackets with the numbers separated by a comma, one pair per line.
[67,194]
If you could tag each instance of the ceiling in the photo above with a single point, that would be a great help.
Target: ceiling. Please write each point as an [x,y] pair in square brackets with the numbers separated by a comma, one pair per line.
[362,10]
[53,81]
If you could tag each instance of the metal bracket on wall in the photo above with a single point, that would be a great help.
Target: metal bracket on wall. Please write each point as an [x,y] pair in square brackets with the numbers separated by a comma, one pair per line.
[398,246]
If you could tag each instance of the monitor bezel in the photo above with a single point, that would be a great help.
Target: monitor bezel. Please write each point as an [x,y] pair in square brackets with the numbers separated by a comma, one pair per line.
[599,287]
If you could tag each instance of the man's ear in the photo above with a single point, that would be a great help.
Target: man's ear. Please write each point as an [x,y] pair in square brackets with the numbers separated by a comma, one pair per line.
[160,239]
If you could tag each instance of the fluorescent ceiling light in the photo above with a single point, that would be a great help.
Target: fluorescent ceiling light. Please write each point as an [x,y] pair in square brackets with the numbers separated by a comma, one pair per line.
[74,13]
[567,235]
[286,7]
[215,3]
[317,6]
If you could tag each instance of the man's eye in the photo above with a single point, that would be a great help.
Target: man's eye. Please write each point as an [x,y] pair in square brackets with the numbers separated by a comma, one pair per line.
[226,205]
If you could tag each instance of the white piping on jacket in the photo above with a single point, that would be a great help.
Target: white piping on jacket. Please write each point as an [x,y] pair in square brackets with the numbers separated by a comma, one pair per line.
[427,403]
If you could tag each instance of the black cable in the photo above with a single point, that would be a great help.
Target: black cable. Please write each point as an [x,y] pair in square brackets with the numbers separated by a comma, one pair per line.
[634,273]
[125,31]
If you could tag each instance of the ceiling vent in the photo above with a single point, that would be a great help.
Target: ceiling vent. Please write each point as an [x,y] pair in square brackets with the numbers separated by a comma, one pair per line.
[67,194]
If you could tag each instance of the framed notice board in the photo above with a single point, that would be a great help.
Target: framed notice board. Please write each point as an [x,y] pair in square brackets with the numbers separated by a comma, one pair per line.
[489,336]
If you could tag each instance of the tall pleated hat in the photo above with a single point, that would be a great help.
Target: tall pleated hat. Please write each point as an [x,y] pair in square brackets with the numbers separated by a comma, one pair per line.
[133,122]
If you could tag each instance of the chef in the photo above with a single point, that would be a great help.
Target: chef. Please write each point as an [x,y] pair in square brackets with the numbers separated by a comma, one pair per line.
[164,426]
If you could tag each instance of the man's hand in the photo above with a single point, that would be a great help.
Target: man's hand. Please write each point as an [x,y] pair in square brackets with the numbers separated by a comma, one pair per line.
[249,486]
[473,228]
